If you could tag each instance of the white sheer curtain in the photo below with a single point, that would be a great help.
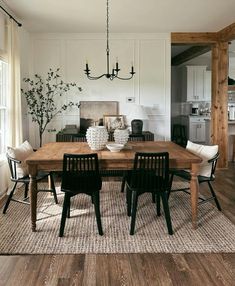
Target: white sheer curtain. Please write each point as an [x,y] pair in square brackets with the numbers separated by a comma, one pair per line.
[14,115]
[15,135]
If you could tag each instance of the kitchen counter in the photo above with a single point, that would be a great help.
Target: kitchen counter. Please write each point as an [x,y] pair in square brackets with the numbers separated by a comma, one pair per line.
[229,121]
[201,115]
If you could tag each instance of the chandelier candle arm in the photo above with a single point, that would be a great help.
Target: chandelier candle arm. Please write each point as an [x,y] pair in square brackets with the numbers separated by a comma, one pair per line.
[115,70]
[87,69]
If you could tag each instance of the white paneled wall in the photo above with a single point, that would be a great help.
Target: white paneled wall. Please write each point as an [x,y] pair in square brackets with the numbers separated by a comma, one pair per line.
[149,87]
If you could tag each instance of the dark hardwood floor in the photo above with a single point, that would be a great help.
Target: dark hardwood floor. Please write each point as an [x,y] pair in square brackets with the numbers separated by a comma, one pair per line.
[130,269]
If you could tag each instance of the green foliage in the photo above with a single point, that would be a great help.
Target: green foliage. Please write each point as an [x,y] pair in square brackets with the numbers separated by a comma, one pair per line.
[41,98]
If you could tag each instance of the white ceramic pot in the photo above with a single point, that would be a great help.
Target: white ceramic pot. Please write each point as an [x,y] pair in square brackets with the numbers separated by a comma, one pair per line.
[121,136]
[97,137]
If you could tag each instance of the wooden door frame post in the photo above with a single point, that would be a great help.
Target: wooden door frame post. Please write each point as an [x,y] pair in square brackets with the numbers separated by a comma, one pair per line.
[219,97]
[219,101]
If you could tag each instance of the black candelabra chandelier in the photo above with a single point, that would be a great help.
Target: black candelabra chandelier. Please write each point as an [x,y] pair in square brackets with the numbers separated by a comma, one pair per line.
[115,71]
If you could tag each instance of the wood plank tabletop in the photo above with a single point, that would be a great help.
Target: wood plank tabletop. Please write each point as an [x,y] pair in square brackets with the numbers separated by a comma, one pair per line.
[50,156]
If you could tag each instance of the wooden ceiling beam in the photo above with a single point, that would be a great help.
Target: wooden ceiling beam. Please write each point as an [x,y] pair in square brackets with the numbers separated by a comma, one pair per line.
[189,54]
[227,34]
[194,38]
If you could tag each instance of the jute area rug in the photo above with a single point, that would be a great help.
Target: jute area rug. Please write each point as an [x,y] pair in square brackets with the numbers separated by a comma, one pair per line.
[215,232]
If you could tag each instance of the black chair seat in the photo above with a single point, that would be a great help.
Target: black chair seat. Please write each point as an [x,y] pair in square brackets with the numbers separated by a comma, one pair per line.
[142,180]
[184,174]
[26,179]
[202,179]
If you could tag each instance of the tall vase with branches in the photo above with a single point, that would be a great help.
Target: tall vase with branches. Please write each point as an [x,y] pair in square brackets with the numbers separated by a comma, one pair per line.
[41,97]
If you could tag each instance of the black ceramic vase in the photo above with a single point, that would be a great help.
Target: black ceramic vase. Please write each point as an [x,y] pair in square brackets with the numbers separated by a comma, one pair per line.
[136,126]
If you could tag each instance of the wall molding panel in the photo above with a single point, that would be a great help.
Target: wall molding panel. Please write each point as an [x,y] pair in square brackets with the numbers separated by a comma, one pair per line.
[149,87]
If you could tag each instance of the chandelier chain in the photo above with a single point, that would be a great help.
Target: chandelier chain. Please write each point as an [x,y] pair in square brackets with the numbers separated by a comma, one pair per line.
[107,25]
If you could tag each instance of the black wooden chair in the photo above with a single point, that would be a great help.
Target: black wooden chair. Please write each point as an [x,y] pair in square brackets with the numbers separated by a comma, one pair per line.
[25,180]
[80,175]
[201,179]
[150,174]
[179,134]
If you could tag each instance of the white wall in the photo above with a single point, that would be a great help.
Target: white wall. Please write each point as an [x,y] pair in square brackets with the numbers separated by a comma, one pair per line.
[24,72]
[149,87]
[203,60]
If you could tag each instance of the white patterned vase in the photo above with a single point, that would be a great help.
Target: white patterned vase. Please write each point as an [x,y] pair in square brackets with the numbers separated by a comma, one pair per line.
[121,136]
[97,137]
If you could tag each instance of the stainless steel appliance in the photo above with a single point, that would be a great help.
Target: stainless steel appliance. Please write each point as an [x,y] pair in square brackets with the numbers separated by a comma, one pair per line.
[195,109]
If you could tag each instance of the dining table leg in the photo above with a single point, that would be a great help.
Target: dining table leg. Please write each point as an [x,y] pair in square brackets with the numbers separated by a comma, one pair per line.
[33,197]
[194,190]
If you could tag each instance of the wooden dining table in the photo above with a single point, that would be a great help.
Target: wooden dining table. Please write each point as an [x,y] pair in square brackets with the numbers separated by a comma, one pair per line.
[50,158]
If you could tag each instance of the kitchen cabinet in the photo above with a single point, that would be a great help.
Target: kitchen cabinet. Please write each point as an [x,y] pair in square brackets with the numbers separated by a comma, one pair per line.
[195,128]
[196,83]
[197,132]
[207,85]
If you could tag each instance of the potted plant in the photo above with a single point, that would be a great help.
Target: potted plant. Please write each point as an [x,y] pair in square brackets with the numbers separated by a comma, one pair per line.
[41,97]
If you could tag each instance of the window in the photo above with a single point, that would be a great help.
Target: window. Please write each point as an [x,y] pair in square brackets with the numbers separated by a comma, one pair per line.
[3,106]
